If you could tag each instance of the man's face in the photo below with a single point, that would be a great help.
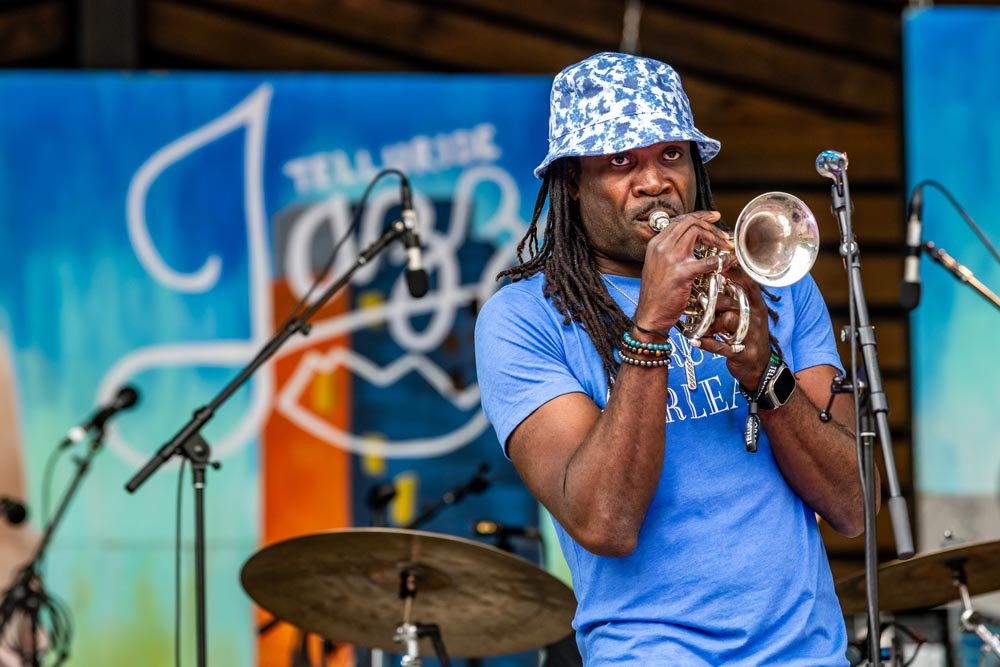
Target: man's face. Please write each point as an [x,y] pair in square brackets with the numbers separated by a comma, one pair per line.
[618,192]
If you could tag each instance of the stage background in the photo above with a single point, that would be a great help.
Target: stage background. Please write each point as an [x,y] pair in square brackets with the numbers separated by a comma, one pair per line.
[952,90]
[156,228]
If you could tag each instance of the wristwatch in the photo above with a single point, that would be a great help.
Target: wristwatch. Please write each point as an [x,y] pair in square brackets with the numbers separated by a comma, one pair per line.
[778,389]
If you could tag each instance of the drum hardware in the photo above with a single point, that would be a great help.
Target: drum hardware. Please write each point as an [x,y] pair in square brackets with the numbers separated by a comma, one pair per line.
[479,482]
[409,634]
[346,584]
[935,578]
[971,620]
[776,241]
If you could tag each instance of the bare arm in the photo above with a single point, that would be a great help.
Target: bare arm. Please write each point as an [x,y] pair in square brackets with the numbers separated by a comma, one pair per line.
[597,472]
[16,542]
[818,460]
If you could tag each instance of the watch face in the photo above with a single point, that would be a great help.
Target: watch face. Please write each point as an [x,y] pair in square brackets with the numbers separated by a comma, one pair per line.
[784,385]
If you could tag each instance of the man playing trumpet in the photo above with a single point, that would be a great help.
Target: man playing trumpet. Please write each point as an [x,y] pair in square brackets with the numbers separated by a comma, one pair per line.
[685,549]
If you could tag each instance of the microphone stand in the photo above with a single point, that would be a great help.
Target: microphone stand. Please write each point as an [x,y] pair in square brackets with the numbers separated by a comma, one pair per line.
[189,443]
[962,273]
[479,483]
[871,410]
[27,592]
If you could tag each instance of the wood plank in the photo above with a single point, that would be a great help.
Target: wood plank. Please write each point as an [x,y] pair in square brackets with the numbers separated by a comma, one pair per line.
[768,151]
[221,41]
[33,32]
[454,40]
[852,29]
[842,27]
[465,40]
[881,276]
[735,49]
[757,61]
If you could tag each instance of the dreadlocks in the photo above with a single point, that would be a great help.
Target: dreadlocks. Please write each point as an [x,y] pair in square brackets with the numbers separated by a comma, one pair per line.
[572,279]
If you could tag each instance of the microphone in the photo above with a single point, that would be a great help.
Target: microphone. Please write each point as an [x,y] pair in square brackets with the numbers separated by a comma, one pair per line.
[909,293]
[12,510]
[479,483]
[416,274]
[380,495]
[488,527]
[831,164]
[126,397]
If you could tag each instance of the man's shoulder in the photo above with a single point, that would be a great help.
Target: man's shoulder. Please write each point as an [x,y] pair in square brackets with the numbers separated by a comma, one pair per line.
[520,295]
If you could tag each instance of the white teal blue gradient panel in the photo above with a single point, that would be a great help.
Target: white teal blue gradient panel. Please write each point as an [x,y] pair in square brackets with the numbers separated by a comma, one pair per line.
[952,94]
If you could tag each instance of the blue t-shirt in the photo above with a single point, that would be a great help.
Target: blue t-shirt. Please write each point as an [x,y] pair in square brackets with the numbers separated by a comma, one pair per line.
[730,567]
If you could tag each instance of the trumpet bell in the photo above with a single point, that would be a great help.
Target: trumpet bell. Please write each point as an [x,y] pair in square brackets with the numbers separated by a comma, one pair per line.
[776,239]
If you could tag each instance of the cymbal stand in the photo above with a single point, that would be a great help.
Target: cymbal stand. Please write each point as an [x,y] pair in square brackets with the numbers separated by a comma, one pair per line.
[408,633]
[972,621]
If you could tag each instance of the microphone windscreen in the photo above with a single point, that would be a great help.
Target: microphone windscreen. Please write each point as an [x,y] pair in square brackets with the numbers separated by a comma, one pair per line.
[909,295]
[15,511]
[127,397]
[417,282]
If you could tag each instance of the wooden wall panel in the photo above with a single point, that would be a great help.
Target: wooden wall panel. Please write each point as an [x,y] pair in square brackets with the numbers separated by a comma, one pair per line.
[34,31]
[195,34]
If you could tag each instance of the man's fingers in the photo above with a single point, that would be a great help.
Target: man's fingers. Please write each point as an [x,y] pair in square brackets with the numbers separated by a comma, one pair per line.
[682,225]
[715,346]
[693,267]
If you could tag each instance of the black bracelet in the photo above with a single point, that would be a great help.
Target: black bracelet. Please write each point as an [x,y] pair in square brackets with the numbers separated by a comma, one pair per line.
[655,332]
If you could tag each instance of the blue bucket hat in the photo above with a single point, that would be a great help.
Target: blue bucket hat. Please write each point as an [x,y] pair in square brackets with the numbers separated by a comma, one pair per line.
[614,102]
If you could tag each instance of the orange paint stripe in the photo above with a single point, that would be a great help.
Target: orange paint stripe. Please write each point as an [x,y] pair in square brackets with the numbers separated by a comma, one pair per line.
[306,481]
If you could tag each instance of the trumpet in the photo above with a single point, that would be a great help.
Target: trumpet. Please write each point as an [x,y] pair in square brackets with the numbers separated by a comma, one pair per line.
[776,241]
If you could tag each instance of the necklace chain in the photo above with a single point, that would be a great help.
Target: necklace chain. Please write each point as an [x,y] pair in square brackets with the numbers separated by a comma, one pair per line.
[620,291]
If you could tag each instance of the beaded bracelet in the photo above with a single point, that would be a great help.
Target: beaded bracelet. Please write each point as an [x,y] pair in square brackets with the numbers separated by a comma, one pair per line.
[634,344]
[644,352]
[648,363]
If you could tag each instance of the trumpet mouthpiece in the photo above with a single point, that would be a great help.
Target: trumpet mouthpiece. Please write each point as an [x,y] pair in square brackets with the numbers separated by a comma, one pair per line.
[658,221]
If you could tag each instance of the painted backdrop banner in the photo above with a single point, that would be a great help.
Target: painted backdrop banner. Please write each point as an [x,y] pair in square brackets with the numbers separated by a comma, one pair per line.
[952,87]
[155,231]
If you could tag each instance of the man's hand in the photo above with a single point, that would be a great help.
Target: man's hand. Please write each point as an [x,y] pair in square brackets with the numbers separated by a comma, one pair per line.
[746,366]
[670,268]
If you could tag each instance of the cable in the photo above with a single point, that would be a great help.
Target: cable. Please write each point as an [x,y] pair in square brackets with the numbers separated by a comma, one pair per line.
[47,482]
[301,305]
[954,202]
[177,566]
[47,474]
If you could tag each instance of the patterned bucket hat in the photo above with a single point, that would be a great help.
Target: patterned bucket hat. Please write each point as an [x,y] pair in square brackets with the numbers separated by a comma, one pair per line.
[613,102]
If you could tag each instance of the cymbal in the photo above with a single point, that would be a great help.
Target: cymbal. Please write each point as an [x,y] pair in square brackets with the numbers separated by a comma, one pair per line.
[344,585]
[926,579]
